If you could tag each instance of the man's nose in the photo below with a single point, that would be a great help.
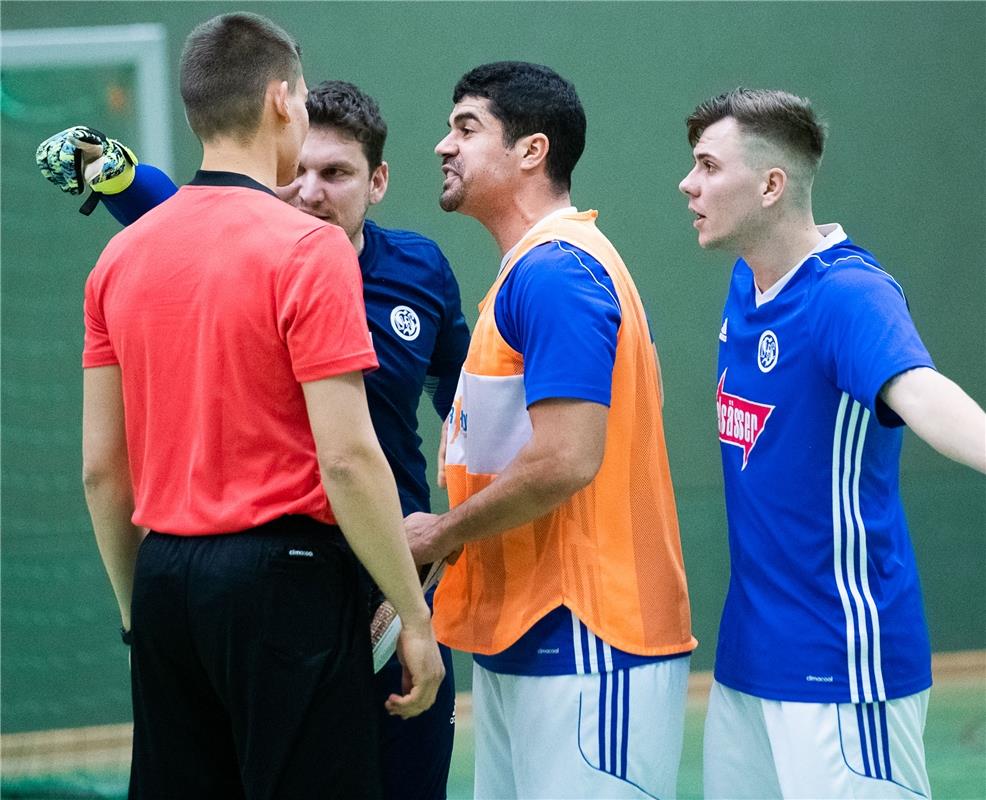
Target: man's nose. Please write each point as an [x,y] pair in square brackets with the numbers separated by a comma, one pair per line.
[444,147]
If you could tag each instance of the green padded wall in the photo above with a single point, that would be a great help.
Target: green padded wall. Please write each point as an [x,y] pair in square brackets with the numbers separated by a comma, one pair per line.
[902,85]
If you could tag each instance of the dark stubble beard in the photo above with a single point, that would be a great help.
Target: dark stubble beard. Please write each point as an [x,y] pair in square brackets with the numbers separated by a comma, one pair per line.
[451,198]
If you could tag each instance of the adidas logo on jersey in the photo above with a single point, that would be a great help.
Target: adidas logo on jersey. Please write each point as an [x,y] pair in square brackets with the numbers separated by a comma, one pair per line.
[741,421]
[722,330]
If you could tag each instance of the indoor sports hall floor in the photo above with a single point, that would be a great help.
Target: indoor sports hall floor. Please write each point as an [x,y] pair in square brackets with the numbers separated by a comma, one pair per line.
[955,741]
[955,737]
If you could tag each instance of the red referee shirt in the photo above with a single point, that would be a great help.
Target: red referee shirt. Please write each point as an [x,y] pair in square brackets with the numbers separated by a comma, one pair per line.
[217,304]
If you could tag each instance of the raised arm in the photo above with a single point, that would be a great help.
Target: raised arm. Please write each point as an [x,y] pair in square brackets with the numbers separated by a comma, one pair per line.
[938,411]
[81,156]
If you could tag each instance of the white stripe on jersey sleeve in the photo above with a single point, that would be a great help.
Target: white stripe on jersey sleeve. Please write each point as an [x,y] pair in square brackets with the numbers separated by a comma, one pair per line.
[591,275]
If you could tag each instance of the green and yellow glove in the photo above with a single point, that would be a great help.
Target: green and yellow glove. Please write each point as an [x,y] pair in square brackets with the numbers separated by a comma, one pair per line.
[81,156]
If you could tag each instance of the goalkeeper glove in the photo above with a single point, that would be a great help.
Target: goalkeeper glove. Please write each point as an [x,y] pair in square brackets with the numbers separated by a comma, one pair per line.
[80,155]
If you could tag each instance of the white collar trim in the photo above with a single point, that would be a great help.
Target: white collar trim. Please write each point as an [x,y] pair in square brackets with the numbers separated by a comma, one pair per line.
[832,234]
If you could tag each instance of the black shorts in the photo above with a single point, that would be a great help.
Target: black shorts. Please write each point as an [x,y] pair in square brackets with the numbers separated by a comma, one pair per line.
[417,752]
[251,667]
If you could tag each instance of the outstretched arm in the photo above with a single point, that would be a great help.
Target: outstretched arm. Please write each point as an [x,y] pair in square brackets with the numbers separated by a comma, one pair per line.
[81,156]
[938,411]
[150,188]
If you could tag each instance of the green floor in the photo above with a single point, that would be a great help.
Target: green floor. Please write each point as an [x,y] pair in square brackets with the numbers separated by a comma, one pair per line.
[955,746]
[955,742]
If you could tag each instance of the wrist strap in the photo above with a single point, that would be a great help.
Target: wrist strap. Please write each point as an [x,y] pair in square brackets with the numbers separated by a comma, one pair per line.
[88,207]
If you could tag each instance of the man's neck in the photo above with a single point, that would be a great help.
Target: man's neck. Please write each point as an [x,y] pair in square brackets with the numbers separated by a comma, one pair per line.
[358,241]
[510,222]
[257,159]
[775,253]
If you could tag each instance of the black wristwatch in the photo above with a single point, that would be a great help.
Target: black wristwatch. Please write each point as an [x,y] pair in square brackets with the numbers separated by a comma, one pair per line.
[127,636]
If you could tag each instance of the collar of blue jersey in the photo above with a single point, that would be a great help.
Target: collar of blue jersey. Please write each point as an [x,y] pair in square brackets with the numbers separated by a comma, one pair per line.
[208,177]
[556,213]
[831,233]
[368,253]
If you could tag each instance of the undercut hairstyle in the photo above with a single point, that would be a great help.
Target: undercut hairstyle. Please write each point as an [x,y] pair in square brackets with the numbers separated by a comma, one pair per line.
[531,98]
[783,119]
[226,65]
[344,107]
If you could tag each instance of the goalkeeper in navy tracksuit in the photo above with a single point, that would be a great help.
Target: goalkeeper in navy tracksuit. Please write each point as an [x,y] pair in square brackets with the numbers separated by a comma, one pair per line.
[414,314]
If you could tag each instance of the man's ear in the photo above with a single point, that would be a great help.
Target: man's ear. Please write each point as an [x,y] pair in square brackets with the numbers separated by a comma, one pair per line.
[774,187]
[278,93]
[534,150]
[378,183]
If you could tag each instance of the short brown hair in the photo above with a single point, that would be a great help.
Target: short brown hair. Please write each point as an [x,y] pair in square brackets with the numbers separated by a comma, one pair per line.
[779,117]
[345,107]
[226,65]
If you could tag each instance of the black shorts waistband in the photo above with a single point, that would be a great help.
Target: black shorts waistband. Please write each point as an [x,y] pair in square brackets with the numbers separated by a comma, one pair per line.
[288,524]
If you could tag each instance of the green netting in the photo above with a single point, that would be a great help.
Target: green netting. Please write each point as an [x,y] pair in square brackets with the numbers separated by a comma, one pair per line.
[62,664]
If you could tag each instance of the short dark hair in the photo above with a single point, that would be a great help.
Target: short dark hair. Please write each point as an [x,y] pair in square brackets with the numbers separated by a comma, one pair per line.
[226,65]
[531,98]
[779,117]
[341,105]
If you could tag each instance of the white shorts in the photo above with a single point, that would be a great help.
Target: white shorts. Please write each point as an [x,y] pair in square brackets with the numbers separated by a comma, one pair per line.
[756,748]
[612,735]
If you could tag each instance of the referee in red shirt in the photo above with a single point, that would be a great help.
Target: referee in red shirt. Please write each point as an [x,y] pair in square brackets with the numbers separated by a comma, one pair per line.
[224,411]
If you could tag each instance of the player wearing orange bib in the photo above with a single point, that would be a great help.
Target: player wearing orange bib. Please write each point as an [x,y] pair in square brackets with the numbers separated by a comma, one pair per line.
[570,588]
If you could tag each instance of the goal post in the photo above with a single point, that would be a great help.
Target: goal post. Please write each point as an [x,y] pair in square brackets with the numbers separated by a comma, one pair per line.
[143,47]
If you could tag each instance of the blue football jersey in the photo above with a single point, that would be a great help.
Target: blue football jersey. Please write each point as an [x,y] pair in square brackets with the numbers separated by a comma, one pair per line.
[419,333]
[558,309]
[824,603]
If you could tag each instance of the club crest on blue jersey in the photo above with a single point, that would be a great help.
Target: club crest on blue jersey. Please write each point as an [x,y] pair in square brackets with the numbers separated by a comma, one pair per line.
[405,323]
[741,421]
[767,351]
